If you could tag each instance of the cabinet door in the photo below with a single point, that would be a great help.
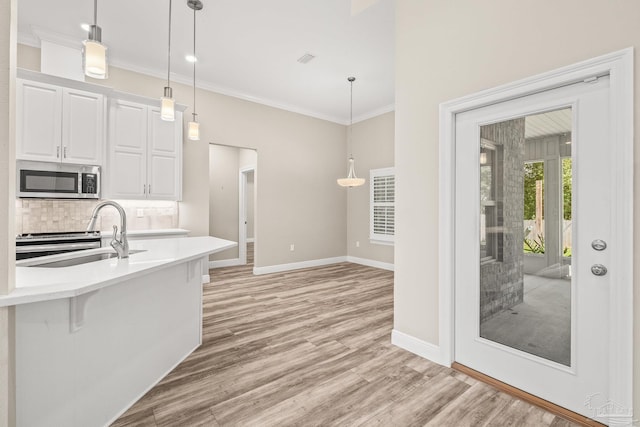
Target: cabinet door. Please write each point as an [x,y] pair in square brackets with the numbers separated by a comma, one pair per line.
[165,157]
[82,127]
[38,125]
[126,169]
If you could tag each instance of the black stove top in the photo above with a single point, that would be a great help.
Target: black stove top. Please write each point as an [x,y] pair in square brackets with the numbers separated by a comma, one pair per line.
[64,235]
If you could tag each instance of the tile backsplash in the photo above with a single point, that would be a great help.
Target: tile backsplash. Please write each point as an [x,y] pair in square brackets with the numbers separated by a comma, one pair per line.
[50,215]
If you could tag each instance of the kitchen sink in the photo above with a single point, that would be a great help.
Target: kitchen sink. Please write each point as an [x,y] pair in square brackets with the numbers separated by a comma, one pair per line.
[76,260]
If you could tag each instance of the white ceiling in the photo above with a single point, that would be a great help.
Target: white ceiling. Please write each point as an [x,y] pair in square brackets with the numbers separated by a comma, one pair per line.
[246,48]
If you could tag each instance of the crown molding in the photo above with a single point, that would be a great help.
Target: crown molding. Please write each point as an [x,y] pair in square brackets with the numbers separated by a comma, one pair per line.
[39,34]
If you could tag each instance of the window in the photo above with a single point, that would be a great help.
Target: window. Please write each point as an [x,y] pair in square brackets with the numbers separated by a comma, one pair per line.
[382,223]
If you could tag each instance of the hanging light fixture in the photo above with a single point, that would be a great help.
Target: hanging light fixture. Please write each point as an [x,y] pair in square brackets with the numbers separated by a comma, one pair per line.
[351,180]
[193,132]
[94,53]
[167,104]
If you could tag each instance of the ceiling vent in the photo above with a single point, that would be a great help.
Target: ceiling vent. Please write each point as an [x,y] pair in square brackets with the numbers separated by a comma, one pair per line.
[306,58]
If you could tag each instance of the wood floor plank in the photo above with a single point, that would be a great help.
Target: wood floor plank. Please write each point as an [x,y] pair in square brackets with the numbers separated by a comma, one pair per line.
[312,347]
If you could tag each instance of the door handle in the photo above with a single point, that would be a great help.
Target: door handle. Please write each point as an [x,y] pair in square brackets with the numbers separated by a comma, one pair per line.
[598,269]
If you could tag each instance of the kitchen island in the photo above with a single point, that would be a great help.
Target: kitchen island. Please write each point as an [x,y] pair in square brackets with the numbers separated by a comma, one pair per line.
[91,339]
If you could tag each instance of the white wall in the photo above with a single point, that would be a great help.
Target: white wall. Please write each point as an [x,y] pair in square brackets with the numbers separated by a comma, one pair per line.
[372,146]
[445,50]
[8,10]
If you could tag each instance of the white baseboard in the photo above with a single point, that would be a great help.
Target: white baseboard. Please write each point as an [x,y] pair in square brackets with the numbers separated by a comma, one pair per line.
[225,263]
[250,240]
[371,263]
[417,346]
[298,265]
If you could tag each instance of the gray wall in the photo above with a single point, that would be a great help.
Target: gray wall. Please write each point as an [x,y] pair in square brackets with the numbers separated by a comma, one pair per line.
[501,280]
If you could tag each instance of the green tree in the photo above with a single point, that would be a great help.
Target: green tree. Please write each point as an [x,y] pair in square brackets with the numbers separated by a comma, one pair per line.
[533,172]
[566,187]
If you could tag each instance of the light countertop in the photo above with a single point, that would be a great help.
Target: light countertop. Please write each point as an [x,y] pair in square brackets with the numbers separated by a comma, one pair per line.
[35,284]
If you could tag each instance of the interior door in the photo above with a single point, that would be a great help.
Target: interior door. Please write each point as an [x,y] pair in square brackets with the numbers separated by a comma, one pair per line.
[533,240]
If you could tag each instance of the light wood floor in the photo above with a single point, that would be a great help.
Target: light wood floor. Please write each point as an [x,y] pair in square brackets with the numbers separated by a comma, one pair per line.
[312,348]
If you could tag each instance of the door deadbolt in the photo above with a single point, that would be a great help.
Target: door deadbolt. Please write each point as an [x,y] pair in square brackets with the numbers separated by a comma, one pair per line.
[599,245]
[598,269]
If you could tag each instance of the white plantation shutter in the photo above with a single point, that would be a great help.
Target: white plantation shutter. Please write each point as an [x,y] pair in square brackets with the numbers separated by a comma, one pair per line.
[382,202]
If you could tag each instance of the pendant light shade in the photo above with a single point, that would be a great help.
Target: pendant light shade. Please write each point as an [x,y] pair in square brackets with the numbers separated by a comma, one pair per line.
[167,104]
[351,180]
[194,129]
[193,132]
[94,53]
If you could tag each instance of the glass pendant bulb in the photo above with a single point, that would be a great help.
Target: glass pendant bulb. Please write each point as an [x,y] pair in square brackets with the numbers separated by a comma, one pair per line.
[193,131]
[167,104]
[94,53]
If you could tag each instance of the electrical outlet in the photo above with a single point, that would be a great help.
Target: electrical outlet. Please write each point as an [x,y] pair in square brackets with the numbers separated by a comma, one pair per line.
[140,213]
[357,243]
[292,247]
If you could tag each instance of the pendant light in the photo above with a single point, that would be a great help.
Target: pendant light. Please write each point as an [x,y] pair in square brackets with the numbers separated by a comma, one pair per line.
[193,132]
[94,53]
[167,104]
[351,180]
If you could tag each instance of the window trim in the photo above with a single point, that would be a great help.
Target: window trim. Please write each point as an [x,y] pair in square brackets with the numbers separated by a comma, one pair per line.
[380,239]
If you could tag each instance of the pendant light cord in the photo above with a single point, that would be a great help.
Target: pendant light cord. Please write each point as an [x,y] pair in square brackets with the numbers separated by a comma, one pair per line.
[351,80]
[95,12]
[169,50]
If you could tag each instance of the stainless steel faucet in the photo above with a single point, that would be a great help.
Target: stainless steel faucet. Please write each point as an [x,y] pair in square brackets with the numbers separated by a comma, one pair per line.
[121,246]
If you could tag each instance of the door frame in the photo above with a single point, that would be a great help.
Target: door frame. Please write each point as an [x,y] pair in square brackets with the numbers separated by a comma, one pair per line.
[242,211]
[619,65]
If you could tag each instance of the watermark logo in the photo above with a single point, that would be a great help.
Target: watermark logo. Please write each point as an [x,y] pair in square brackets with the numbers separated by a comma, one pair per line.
[608,411]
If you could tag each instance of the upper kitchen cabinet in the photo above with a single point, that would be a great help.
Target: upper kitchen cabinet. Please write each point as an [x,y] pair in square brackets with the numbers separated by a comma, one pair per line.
[59,124]
[145,153]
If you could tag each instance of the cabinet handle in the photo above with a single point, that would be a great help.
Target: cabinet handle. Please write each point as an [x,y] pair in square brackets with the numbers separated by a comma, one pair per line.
[57,152]
[144,189]
[149,189]
[65,152]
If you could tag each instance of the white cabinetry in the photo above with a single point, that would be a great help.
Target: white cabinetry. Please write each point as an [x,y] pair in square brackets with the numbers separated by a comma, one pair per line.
[145,153]
[59,124]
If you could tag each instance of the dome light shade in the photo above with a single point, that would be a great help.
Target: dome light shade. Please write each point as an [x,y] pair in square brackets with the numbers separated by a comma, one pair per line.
[351,180]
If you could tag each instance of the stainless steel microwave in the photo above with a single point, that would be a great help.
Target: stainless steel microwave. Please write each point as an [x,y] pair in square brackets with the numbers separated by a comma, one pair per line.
[57,180]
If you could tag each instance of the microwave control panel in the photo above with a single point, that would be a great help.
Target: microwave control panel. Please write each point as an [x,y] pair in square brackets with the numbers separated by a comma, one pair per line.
[89,183]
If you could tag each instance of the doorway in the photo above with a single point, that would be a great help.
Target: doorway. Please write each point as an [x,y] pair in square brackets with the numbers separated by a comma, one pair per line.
[232,202]
[537,267]
[246,220]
